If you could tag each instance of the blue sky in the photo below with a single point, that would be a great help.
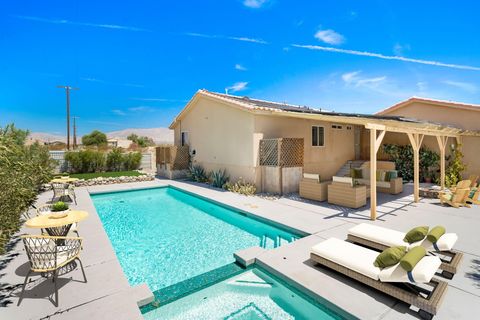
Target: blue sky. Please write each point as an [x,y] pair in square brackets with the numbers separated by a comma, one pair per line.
[138,62]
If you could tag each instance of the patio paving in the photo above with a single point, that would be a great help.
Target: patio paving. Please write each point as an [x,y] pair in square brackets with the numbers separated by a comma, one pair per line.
[109,296]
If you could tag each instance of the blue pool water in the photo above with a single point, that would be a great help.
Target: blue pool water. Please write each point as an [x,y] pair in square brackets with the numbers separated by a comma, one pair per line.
[254,294]
[163,236]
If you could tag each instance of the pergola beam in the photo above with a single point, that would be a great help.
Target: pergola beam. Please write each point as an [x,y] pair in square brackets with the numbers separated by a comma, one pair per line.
[375,143]
[416,142]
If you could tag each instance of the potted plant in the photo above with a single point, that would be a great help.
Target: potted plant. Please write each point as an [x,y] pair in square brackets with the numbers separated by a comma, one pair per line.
[60,209]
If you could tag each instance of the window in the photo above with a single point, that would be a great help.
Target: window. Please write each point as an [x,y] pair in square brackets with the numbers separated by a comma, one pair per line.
[349,127]
[318,136]
[184,138]
[336,126]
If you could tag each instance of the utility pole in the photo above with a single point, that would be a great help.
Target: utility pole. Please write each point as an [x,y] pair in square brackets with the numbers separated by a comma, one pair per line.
[74,132]
[67,92]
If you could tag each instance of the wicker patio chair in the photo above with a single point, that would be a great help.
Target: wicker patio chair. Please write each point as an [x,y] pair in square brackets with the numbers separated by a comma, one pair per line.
[62,191]
[47,257]
[47,208]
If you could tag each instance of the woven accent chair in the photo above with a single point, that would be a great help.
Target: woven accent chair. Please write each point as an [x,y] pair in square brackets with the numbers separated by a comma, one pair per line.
[51,255]
[62,191]
[57,231]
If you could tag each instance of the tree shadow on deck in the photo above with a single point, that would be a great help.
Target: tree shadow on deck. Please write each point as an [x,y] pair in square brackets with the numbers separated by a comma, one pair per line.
[475,273]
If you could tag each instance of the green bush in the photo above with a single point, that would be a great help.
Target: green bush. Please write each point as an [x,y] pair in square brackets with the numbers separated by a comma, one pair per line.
[242,187]
[88,161]
[197,173]
[132,160]
[115,160]
[219,178]
[23,170]
[59,206]
[402,155]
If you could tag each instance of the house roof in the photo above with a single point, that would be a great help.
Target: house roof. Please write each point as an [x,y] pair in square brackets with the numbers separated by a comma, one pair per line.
[394,123]
[444,103]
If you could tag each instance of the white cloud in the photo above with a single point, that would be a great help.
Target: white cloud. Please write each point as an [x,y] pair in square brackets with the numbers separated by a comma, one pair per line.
[329,36]
[466,86]
[87,24]
[254,3]
[400,49]
[385,57]
[119,112]
[237,86]
[216,36]
[422,86]
[240,67]
[354,79]
[141,108]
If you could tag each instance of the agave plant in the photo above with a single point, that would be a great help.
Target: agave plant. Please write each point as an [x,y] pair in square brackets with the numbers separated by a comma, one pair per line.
[242,187]
[219,178]
[197,173]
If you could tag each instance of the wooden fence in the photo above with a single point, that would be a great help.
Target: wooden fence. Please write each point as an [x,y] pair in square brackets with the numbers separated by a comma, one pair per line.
[178,157]
[281,152]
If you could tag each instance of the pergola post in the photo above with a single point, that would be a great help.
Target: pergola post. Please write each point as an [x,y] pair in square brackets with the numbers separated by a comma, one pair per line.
[416,140]
[442,144]
[375,143]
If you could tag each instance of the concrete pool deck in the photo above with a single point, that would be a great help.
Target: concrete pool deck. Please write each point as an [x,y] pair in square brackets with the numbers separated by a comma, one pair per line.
[109,296]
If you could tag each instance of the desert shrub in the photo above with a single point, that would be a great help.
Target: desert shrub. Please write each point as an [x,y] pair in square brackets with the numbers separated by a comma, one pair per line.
[92,161]
[242,187]
[115,160]
[197,173]
[132,160]
[23,170]
[219,178]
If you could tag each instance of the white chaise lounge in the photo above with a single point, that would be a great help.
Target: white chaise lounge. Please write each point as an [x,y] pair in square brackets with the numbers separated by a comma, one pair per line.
[381,238]
[356,262]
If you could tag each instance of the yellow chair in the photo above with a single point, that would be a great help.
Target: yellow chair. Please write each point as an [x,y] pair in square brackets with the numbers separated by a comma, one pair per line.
[458,196]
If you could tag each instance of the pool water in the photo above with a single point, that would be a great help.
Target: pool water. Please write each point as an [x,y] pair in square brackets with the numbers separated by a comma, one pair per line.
[163,236]
[253,294]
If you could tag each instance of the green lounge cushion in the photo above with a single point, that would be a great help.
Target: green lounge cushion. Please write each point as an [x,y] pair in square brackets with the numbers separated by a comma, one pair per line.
[387,176]
[416,234]
[393,174]
[356,173]
[390,256]
[435,234]
[410,260]
[472,193]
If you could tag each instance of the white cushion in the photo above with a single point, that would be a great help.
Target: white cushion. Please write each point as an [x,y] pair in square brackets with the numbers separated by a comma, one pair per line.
[349,255]
[423,271]
[445,243]
[348,180]
[383,184]
[378,234]
[312,176]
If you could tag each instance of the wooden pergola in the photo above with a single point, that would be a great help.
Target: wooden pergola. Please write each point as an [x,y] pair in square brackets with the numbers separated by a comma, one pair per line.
[377,133]
[378,126]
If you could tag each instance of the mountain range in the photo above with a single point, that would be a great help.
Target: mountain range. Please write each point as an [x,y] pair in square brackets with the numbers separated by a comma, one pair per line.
[159,135]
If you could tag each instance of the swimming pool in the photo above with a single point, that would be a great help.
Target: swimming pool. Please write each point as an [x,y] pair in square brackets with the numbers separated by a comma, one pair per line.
[254,294]
[163,236]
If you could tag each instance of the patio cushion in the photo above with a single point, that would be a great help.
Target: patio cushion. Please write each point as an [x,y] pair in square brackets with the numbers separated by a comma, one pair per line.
[423,271]
[356,173]
[416,234]
[413,256]
[348,180]
[445,243]
[349,255]
[314,176]
[378,234]
[393,174]
[435,233]
[390,256]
